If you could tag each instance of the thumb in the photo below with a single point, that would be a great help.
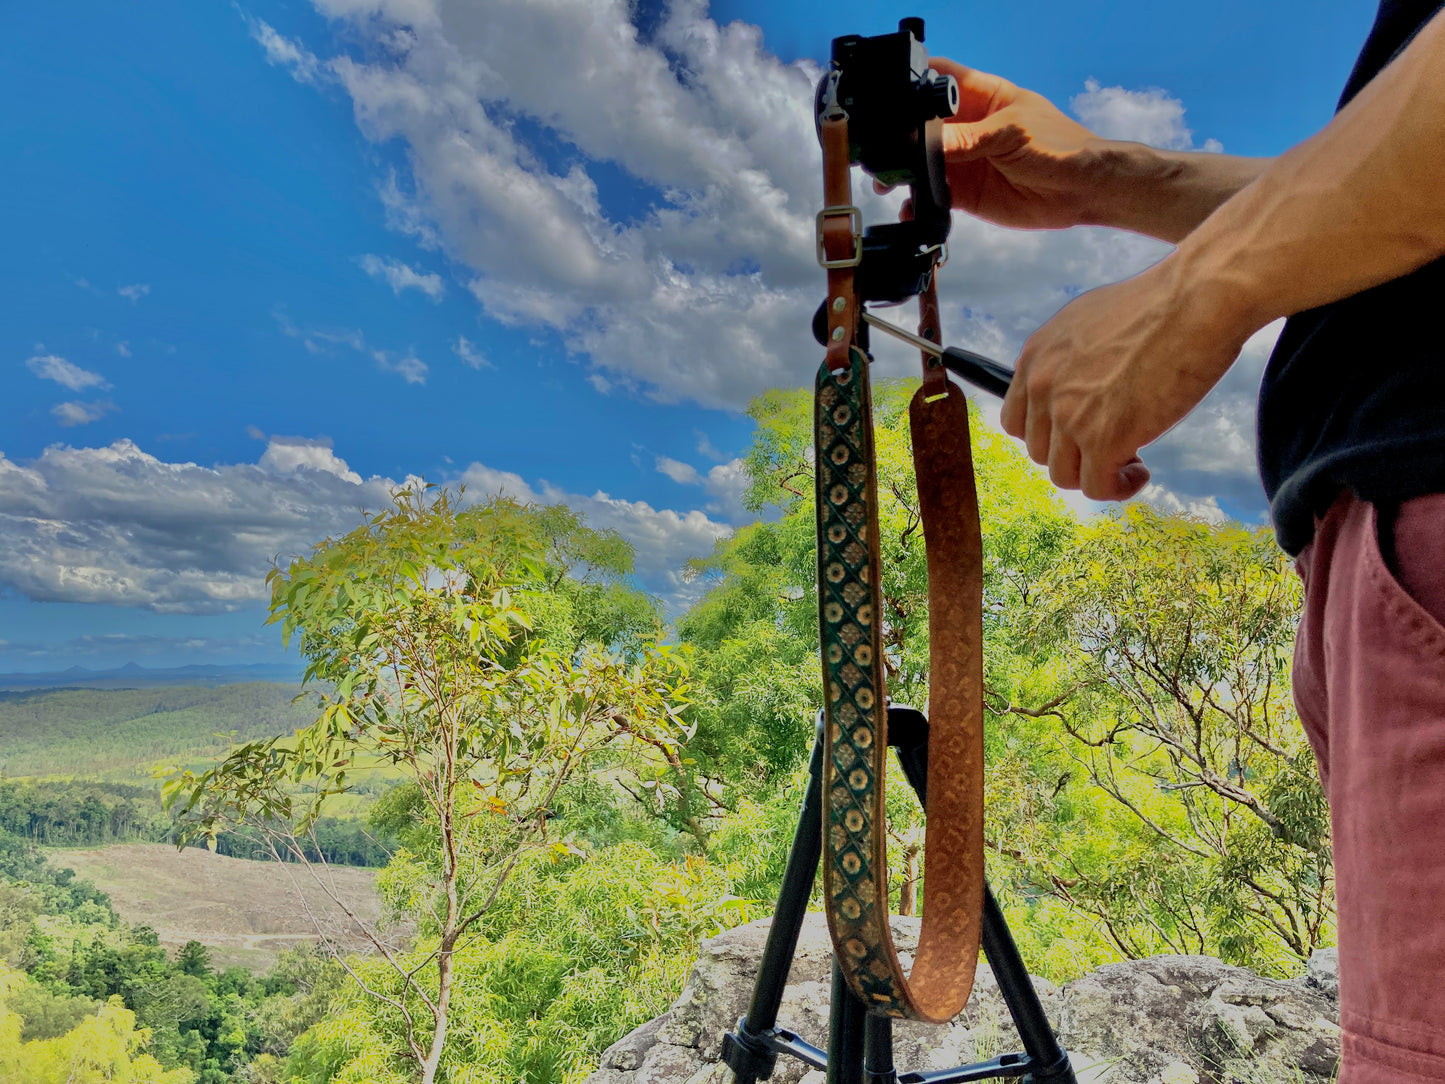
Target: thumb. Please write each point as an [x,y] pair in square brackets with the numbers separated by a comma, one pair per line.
[1133,476]
[968,140]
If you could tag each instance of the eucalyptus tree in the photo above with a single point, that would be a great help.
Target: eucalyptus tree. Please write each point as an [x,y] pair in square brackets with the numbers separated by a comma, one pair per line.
[457,651]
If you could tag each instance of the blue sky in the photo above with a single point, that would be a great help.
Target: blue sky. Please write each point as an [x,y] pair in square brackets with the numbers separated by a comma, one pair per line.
[264,261]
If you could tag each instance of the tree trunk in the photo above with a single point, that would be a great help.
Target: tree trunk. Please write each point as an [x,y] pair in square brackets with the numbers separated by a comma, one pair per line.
[908,894]
[444,997]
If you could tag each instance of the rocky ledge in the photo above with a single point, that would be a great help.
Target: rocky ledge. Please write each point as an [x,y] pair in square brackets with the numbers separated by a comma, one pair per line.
[1163,1020]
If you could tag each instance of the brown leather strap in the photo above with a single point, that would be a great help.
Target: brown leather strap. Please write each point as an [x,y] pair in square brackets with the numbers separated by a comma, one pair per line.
[935,377]
[839,226]
[953,848]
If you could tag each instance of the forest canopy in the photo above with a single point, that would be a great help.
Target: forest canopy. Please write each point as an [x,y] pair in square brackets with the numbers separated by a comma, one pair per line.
[565,792]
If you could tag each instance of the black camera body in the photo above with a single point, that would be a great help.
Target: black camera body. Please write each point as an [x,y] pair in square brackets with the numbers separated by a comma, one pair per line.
[896,105]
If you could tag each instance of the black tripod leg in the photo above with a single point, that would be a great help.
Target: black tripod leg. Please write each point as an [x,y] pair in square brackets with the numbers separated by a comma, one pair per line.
[846,1023]
[878,1051]
[747,1050]
[1051,1063]
[908,733]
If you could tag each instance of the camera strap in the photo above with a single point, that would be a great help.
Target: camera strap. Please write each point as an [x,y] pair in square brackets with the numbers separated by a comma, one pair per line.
[855,860]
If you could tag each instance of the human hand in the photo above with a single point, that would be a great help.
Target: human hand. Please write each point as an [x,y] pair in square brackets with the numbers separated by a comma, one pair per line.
[1114,370]
[1014,158]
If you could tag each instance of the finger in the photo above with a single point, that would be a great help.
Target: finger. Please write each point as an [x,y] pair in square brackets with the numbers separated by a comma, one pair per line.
[1064,458]
[1015,408]
[1109,480]
[1133,477]
[1038,431]
[881,188]
[905,213]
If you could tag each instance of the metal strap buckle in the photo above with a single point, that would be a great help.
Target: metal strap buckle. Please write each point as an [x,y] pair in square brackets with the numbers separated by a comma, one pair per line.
[855,221]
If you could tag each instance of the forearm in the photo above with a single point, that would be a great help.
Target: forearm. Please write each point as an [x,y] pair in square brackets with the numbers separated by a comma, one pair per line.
[1165,194]
[1358,204]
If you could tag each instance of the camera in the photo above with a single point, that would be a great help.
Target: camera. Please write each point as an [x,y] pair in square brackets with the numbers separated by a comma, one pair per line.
[896,105]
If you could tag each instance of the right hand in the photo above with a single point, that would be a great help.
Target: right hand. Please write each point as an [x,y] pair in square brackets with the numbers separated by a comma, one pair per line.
[1014,158]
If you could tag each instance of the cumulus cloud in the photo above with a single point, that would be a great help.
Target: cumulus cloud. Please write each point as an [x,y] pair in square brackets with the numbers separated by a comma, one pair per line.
[682,473]
[705,296]
[1212,454]
[118,525]
[65,373]
[286,455]
[1205,508]
[664,540]
[400,276]
[1151,116]
[134,292]
[77,413]
[725,483]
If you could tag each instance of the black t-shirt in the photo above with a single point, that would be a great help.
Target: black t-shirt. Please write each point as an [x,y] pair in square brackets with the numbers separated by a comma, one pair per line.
[1354,393]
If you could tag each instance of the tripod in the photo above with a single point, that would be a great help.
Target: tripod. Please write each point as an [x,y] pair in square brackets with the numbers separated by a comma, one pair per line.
[860,1044]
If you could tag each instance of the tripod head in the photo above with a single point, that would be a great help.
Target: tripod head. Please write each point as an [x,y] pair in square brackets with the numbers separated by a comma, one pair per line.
[895,105]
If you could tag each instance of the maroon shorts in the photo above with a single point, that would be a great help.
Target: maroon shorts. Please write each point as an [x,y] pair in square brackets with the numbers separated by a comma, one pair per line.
[1369,682]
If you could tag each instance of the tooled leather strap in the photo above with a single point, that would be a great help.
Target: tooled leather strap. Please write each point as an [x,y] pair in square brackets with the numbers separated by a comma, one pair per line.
[855,860]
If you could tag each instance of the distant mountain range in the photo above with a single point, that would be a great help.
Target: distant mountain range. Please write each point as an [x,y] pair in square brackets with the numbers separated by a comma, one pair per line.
[133,676]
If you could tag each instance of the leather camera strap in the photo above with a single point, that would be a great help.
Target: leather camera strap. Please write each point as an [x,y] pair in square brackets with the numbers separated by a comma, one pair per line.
[855,861]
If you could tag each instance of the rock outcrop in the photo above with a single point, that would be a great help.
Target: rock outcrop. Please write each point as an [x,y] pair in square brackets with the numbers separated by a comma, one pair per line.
[1164,1020]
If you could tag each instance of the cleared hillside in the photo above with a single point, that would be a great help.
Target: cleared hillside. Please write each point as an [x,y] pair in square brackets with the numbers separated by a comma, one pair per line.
[123,734]
[247,912]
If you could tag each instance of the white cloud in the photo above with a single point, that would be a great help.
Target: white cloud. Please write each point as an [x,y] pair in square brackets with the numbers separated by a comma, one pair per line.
[707,296]
[400,276]
[134,292]
[473,358]
[117,525]
[286,455]
[705,448]
[282,52]
[664,540]
[410,368]
[322,341]
[1150,116]
[77,413]
[1169,502]
[725,483]
[123,349]
[682,473]
[65,373]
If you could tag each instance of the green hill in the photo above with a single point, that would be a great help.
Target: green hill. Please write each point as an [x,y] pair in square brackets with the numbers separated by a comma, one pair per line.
[123,734]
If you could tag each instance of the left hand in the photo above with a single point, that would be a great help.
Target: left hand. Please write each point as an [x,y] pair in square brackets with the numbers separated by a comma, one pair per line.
[1114,370]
